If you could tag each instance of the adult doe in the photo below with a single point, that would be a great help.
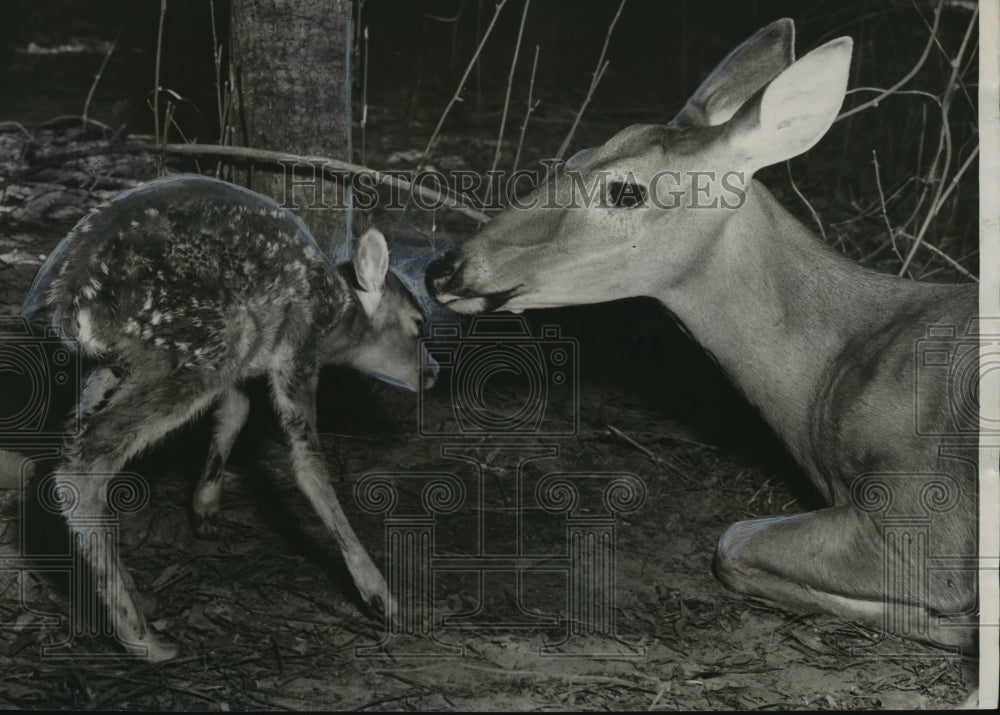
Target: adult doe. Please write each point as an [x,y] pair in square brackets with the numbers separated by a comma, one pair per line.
[180,290]
[828,351]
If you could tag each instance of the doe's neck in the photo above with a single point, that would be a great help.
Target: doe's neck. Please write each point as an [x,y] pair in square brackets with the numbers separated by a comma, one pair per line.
[775,306]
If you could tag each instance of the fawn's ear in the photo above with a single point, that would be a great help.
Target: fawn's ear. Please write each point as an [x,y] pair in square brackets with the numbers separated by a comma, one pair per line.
[371,261]
[740,75]
[795,110]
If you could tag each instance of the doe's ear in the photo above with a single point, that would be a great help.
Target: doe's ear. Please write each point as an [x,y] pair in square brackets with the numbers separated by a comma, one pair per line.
[739,76]
[795,110]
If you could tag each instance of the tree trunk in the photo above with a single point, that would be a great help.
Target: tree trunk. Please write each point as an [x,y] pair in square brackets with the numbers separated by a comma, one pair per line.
[292,64]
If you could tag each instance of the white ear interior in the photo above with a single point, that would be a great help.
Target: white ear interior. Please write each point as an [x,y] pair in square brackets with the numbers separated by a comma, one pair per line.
[371,262]
[369,301]
[796,109]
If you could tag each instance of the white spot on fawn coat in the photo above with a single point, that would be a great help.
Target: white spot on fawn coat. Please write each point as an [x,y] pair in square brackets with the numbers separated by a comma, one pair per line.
[85,336]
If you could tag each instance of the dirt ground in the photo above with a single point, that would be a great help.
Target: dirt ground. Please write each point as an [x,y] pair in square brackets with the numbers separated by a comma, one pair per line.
[265,615]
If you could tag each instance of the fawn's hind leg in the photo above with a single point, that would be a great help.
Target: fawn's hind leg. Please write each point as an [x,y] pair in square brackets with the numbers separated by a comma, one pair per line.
[230,416]
[120,416]
[294,396]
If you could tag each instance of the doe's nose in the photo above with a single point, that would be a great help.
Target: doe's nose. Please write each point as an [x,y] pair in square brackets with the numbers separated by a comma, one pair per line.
[440,271]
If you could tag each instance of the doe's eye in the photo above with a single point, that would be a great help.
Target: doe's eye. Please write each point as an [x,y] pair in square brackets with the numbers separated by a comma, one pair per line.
[627,194]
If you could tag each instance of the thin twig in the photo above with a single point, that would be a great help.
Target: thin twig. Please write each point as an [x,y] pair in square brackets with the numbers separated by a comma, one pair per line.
[230,100]
[598,73]
[364,98]
[907,77]
[97,77]
[510,84]
[168,119]
[919,92]
[221,104]
[457,97]
[954,181]
[932,212]
[527,114]
[642,448]
[10,124]
[939,195]
[885,214]
[795,188]
[655,458]
[217,60]
[920,142]
[942,255]
[156,80]
[446,20]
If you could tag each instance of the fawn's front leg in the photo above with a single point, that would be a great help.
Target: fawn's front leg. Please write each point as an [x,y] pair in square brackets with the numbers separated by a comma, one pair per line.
[230,416]
[294,395]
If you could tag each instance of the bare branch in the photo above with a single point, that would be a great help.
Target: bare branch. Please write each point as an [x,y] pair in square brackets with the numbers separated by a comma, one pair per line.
[527,114]
[510,83]
[885,214]
[907,77]
[100,73]
[461,84]
[602,65]
[940,193]
[323,162]
[156,81]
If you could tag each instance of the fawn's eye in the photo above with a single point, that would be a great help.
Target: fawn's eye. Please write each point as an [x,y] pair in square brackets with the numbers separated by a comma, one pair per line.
[626,194]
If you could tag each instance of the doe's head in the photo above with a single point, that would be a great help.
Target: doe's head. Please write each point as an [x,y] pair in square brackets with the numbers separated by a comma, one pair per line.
[639,214]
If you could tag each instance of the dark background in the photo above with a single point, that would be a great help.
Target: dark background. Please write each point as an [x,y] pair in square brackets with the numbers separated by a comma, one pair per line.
[659,53]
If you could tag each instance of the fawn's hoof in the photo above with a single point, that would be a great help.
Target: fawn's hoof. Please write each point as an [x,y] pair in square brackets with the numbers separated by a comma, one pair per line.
[152,649]
[382,606]
[158,652]
[205,526]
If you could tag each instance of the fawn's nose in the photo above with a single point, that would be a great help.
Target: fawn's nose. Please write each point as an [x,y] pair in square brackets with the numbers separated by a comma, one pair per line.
[431,370]
[440,272]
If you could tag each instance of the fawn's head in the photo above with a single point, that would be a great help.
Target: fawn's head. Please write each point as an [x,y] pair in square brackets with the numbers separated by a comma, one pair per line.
[641,210]
[387,346]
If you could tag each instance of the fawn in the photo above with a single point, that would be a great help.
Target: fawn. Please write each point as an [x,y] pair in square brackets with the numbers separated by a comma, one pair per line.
[180,290]
[828,351]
